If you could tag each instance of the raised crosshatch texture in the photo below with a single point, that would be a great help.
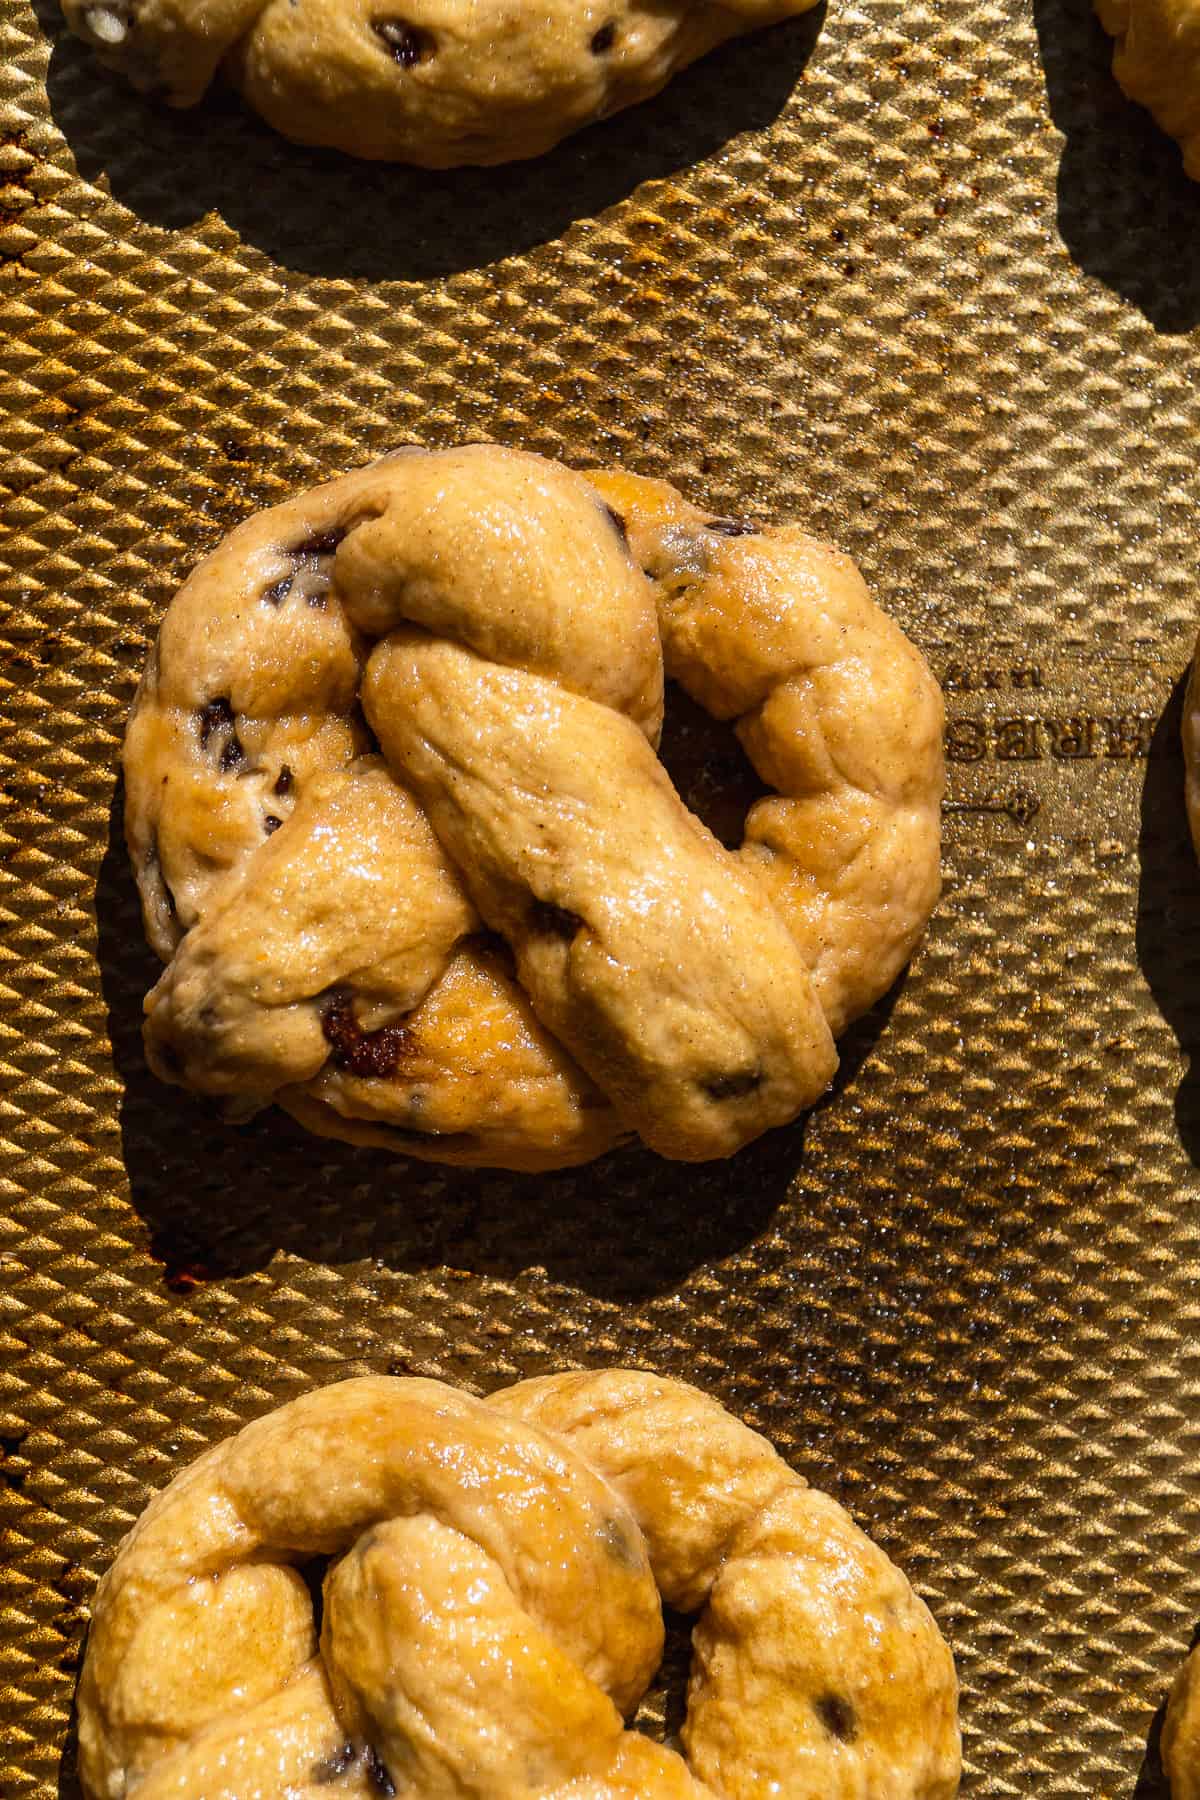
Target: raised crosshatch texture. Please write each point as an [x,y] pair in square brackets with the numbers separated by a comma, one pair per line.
[921,278]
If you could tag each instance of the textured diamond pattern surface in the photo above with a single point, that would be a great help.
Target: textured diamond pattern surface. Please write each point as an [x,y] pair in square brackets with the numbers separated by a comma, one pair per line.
[920,277]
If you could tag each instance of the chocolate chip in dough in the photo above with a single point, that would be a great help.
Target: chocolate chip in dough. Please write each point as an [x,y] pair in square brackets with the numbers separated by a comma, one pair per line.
[283,781]
[276,595]
[215,715]
[732,527]
[218,716]
[361,1052]
[271,824]
[232,755]
[408,46]
[732,1087]
[838,1717]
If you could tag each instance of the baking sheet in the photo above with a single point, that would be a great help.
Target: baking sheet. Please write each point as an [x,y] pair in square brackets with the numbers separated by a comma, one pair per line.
[919,277]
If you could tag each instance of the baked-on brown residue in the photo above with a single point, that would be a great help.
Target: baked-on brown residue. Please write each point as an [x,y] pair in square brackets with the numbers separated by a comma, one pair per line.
[361,1052]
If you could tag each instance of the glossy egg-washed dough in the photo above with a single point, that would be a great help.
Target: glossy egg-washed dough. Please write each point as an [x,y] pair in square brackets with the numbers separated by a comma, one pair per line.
[433,82]
[492,1611]
[1157,62]
[415,869]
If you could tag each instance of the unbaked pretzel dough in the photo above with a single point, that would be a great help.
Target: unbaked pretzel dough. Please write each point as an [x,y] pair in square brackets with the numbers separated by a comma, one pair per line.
[478,923]
[492,1609]
[433,82]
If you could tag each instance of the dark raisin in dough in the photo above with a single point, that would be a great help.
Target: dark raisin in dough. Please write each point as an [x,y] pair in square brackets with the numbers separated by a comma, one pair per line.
[838,1717]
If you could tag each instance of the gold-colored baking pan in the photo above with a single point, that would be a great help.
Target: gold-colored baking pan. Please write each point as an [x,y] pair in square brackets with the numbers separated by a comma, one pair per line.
[920,277]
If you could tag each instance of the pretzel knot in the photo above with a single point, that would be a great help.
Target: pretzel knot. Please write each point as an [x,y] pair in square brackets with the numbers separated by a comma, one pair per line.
[492,1608]
[403,839]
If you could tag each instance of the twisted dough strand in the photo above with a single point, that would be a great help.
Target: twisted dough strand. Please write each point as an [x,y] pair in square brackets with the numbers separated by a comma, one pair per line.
[490,1612]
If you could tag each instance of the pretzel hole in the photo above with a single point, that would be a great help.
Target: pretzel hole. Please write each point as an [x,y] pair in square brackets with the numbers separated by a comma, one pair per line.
[662,1710]
[407,45]
[276,595]
[360,1052]
[283,782]
[711,772]
[838,1717]
[603,41]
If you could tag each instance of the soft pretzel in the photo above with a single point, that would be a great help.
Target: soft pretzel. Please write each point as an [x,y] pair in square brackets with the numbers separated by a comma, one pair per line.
[478,923]
[1156,59]
[491,1610]
[1191,749]
[1180,1743]
[433,82]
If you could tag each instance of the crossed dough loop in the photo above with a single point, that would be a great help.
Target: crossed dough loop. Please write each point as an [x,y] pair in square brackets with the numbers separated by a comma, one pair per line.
[1156,60]
[492,1611]
[433,82]
[493,933]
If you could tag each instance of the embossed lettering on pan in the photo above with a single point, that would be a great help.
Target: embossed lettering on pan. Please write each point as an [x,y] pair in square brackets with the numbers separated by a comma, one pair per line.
[416,871]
